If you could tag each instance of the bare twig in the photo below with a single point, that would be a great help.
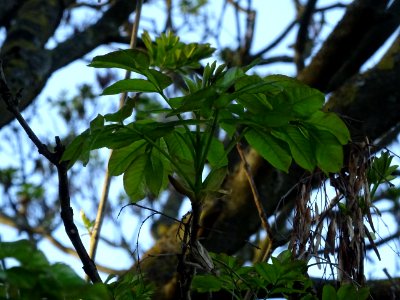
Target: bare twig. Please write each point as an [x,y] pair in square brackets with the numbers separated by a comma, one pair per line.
[302,36]
[256,196]
[67,213]
[277,40]
[107,178]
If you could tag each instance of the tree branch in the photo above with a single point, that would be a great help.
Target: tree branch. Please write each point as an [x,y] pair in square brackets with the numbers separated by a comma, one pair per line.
[67,213]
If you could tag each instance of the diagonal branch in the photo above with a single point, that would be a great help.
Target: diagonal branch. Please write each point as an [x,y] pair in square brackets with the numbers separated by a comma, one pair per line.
[67,214]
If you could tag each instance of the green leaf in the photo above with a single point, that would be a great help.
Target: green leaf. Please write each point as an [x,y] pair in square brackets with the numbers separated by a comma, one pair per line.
[97,123]
[267,271]
[214,179]
[181,151]
[216,155]
[269,148]
[79,148]
[329,292]
[123,113]
[154,174]
[332,123]
[347,291]
[299,144]
[130,85]
[122,158]
[252,84]
[207,73]
[159,79]
[24,252]
[363,293]
[304,100]
[229,78]
[196,101]
[381,168]
[130,59]
[279,83]
[65,276]
[255,103]
[134,178]
[22,278]
[206,283]
[113,136]
[328,151]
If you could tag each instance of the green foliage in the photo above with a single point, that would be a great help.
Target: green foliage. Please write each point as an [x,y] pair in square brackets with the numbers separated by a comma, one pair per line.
[345,292]
[381,171]
[277,115]
[283,276]
[131,287]
[35,278]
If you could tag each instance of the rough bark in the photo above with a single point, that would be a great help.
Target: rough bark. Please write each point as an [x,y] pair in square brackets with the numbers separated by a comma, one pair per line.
[28,63]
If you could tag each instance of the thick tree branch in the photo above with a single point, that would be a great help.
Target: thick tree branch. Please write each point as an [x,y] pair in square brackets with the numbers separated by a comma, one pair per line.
[29,64]
[352,32]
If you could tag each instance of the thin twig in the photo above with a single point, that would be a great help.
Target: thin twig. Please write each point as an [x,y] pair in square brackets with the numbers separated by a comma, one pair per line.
[265,249]
[302,35]
[256,196]
[277,40]
[94,238]
[67,214]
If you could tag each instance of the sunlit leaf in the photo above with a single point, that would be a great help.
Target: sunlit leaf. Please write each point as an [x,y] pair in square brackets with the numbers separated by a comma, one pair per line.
[332,123]
[300,146]
[79,148]
[269,148]
[328,151]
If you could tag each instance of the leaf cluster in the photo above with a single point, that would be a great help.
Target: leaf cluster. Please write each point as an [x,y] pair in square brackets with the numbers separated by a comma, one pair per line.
[278,116]
[284,276]
[35,278]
